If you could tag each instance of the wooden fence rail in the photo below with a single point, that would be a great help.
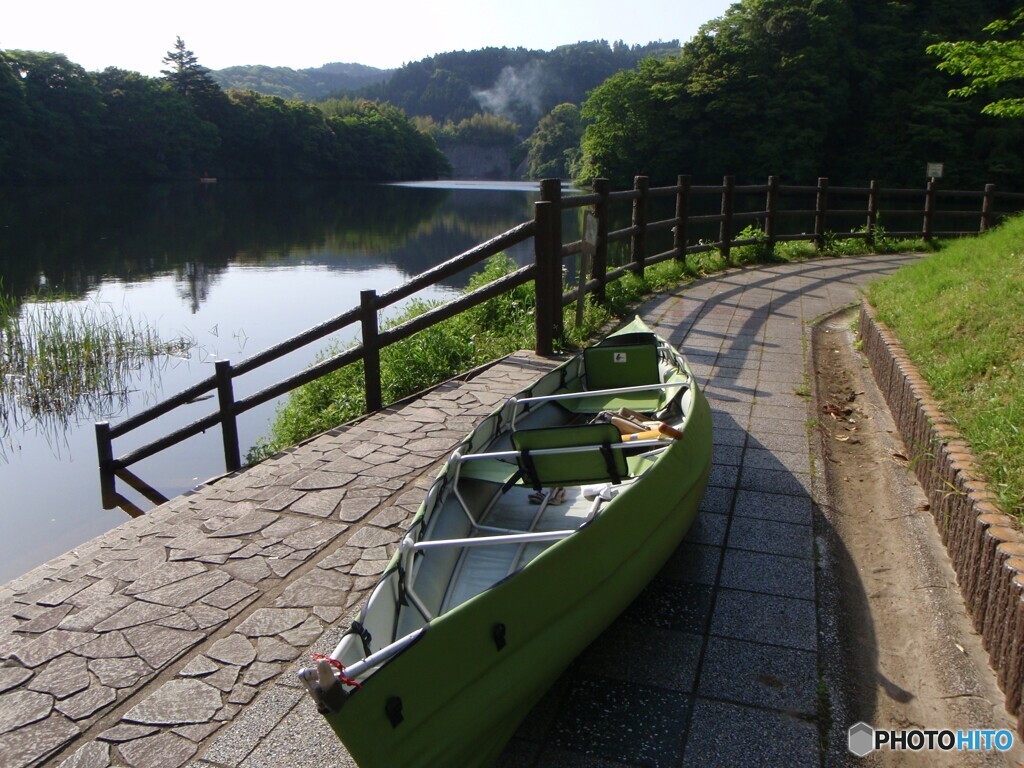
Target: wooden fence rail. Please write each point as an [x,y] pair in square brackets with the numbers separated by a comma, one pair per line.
[550,252]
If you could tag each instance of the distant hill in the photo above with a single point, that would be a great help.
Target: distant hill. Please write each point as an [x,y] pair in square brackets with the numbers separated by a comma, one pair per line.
[450,95]
[300,84]
[517,83]
[520,84]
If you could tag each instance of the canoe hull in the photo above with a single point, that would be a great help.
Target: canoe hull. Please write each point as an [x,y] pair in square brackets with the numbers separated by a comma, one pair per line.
[461,691]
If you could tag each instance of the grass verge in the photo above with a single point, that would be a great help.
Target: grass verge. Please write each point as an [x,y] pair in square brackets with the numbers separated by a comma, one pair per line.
[479,335]
[494,329]
[960,316]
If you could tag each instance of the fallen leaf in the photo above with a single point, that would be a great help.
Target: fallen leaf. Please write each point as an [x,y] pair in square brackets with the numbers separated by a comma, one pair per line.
[835,411]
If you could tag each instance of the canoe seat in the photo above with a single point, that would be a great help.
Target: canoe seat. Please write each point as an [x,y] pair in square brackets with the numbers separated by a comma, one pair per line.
[610,366]
[575,455]
[632,362]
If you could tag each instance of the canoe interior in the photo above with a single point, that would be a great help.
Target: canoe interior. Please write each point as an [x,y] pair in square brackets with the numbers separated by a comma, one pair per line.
[461,684]
[445,578]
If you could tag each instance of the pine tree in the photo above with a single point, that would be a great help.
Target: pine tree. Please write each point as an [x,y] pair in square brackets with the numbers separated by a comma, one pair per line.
[186,75]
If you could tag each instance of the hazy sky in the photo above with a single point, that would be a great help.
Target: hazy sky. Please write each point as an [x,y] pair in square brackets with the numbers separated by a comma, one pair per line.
[307,33]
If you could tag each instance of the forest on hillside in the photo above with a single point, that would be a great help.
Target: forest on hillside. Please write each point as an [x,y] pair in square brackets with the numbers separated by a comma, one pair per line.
[519,84]
[59,122]
[794,88]
[491,98]
[310,84]
[806,88]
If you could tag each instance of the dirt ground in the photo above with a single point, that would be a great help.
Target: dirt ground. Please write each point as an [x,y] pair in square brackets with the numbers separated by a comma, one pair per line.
[898,646]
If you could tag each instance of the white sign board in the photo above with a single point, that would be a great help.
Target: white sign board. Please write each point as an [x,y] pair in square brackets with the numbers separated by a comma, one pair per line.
[934,171]
[590,230]
[586,259]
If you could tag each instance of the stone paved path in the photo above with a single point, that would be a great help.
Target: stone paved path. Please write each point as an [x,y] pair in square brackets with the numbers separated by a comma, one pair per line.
[173,640]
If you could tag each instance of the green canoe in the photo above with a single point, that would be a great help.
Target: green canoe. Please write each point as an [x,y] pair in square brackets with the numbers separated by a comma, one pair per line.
[541,528]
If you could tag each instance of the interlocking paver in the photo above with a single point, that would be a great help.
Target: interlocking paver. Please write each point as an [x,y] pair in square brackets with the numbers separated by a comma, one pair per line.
[756,736]
[622,721]
[760,675]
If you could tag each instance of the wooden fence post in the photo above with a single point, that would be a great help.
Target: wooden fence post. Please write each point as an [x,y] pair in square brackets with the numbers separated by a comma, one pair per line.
[873,195]
[638,242]
[600,267]
[986,207]
[544,316]
[105,452]
[820,212]
[725,228]
[929,211]
[771,206]
[228,422]
[551,192]
[371,350]
[681,232]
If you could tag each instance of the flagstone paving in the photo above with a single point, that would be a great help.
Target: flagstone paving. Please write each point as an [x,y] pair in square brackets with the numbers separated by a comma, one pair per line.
[174,639]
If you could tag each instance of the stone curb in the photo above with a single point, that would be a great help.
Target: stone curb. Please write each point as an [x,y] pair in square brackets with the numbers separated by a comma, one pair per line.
[985,546]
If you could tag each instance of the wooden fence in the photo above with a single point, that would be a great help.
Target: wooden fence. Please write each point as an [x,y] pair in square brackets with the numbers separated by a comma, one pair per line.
[732,202]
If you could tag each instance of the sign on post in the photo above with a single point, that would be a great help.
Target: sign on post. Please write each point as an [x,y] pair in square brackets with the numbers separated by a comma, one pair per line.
[587,251]
[934,171]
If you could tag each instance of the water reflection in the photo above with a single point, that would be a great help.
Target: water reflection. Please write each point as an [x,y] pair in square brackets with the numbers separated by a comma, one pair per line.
[236,267]
[70,239]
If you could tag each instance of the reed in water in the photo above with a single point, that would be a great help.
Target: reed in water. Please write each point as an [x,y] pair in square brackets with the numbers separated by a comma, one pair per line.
[61,361]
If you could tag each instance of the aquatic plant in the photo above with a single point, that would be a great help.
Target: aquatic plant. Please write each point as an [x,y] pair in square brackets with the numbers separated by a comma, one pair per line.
[62,361]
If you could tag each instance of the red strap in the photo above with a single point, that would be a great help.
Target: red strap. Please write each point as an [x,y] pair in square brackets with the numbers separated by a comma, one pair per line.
[340,667]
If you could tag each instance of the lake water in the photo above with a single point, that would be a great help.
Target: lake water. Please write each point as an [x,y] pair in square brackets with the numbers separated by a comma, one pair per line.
[236,268]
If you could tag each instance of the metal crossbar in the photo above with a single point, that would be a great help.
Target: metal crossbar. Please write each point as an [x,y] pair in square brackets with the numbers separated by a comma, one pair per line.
[479,541]
[587,393]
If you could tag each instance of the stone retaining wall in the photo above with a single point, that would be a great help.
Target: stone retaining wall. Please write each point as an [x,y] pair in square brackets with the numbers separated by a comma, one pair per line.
[985,546]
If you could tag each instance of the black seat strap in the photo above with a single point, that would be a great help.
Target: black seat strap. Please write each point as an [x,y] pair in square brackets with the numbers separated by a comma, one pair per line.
[364,635]
[531,469]
[609,460]
[512,480]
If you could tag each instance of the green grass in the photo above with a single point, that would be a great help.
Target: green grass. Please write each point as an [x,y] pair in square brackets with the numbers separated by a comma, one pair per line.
[960,315]
[482,334]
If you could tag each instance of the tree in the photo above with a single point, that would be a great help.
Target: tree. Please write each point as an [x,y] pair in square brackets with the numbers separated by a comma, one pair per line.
[62,109]
[14,119]
[151,131]
[805,88]
[554,146]
[989,64]
[194,81]
[186,75]
[633,126]
[482,129]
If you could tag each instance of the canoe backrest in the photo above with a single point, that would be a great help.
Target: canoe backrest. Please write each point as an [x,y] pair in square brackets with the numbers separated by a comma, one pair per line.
[610,366]
[600,463]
